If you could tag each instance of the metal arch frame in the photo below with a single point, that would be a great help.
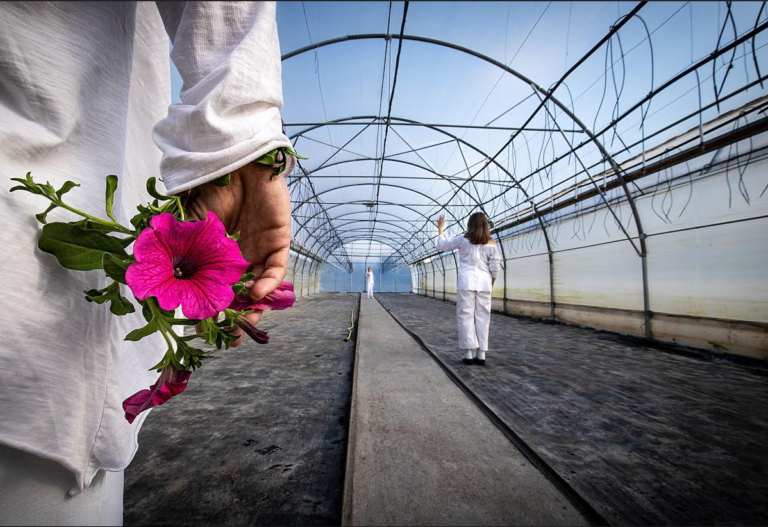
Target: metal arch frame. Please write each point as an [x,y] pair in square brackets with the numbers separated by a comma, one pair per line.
[513,180]
[330,248]
[384,241]
[360,229]
[428,169]
[383,212]
[439,177]
[322,209]
[303,225]
[445,177]
[549,94]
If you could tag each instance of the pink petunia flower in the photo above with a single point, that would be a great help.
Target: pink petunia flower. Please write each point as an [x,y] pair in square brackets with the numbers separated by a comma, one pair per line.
[281,298]
[171,382]
[189,263]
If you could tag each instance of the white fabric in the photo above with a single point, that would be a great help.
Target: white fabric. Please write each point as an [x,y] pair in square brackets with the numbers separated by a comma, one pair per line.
[473,313]
[34,491]
[228,56]
[369,284]
[477,263]
[82,85]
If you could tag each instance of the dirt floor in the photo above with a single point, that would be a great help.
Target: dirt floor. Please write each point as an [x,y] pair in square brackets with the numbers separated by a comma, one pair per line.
[646,436]
[259,437]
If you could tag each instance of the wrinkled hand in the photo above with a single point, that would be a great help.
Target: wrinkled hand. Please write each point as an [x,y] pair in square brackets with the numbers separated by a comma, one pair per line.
[260,210]
[440,224]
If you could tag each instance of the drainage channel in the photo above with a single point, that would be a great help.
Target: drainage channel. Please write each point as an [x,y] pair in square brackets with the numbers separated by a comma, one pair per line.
[576,499]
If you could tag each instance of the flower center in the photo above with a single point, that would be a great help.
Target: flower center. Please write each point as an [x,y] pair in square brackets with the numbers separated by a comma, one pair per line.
[183,267]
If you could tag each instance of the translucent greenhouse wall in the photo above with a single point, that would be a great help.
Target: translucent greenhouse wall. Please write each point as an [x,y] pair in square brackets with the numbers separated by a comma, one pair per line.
[304,273]
[706,222]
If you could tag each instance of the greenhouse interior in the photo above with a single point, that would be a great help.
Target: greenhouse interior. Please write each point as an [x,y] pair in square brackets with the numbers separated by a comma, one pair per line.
[597,172]
[619,151]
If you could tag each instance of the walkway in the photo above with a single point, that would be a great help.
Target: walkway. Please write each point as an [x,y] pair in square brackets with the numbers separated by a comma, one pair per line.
[421,453]
[647,437]
[259,437]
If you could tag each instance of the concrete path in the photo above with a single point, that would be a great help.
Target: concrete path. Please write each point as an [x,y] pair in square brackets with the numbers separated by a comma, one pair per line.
[421,453]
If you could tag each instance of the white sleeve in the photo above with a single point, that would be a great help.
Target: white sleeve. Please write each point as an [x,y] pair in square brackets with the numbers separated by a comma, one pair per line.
[448,244]
[228,56]
[494,260]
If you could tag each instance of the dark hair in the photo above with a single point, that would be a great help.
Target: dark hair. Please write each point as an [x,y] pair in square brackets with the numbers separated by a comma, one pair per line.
[478,230]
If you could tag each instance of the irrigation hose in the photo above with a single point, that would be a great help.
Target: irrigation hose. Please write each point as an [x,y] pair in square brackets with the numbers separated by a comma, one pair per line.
[352,319]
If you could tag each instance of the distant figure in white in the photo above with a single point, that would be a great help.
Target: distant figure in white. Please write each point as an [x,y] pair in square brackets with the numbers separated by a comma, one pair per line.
[369,283]
[479,264]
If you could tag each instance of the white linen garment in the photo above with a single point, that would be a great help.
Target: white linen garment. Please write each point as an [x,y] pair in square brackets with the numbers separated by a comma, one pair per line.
[477,263]
[82,85]
[369,284]
[35,492]
[473,315]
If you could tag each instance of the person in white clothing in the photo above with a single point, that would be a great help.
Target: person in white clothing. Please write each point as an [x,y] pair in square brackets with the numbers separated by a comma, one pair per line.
[85,92]
[369,282]
[479,265]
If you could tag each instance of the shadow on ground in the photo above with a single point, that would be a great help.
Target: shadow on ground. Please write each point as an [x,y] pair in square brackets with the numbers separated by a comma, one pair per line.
[260,435]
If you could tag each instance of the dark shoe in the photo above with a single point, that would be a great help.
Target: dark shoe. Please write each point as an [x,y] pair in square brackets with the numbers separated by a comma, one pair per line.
[470,361]
[479,362]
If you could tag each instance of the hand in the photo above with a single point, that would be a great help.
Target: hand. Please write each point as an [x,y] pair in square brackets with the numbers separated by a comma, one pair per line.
[260,210]
[440,224]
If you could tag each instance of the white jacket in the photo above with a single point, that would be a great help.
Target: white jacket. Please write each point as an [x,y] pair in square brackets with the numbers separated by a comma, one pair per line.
[477,263]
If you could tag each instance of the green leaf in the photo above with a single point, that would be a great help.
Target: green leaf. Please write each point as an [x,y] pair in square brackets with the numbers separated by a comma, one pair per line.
[77,248]
[66,187]
[111,188]
[42,216]
[27,184]
[235,236]
[138,334]
[291,152]
[115,267]
[151,182]
[125,242]
[270,158]
[223,181]
[141,220]
[119,305]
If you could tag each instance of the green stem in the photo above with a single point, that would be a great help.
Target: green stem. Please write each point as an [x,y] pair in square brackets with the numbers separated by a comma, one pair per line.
[163,326]
[95,219]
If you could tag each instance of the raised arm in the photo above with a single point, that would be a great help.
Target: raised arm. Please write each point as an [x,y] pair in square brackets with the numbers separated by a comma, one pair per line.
[444,243]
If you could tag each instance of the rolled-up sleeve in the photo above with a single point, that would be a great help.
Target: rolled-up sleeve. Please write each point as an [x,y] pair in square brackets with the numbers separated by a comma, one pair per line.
[494,260]
[448,244]
[228,56]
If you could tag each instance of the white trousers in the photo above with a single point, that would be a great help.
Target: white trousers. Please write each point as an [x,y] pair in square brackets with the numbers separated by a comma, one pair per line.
[473,313]
[369,289]
[35,491]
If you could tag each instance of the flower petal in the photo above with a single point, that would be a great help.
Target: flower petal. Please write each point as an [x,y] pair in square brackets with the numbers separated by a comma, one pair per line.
[255,333]
[281,298]
[215,254]
[202,297]
[170,383]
